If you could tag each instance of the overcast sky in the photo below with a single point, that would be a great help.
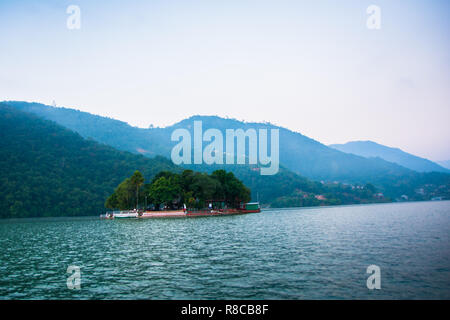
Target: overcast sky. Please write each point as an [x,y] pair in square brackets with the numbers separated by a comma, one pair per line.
[311,66]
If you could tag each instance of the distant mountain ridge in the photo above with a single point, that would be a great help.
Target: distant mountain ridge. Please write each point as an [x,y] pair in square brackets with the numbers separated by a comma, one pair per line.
[445,164]
[299,155]
[370,149]
[49,170]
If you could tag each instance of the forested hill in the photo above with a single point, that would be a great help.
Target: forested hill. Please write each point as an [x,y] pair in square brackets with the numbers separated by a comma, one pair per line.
[298,153]
[47,170]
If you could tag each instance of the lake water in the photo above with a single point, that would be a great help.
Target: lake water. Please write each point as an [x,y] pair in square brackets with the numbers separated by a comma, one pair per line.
[309,253]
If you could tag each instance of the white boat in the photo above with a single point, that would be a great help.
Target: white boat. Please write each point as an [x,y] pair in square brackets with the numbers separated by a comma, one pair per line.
[125,214]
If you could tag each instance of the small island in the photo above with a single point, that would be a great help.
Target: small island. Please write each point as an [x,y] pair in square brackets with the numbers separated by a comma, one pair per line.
[185,194]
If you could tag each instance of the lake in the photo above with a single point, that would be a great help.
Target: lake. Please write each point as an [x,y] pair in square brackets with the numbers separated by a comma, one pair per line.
[302,253]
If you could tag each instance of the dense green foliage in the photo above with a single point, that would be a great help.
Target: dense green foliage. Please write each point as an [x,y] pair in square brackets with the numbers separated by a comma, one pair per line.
[126,195]
[288,189]
[47,170]
[173,190]
[298,153]
[331,194]
[115,133]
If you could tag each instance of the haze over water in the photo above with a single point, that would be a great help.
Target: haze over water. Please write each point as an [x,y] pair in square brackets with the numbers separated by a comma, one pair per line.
[309,253]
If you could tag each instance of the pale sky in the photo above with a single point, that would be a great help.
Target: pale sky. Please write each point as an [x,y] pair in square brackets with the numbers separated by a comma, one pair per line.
[311,66]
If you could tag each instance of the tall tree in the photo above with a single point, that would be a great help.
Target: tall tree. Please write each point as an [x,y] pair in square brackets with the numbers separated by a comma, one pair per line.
[137,180]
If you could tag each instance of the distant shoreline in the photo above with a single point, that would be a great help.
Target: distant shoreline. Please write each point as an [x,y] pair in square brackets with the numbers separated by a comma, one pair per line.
[262,210]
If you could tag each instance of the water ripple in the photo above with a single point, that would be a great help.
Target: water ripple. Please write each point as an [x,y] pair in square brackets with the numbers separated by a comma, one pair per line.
[317,253]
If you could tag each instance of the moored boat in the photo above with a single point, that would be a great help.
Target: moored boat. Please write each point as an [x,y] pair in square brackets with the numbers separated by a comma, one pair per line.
[119,215]
[126,215]
[251,207]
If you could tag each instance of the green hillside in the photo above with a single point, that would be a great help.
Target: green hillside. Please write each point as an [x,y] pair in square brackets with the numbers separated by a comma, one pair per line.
[300,157]
[298,153]
[47,170]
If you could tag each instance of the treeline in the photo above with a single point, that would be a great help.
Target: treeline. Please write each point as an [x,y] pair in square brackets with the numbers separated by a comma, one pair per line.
[288,189]
[331,194]
[47,170]
[174,190]
[298,154]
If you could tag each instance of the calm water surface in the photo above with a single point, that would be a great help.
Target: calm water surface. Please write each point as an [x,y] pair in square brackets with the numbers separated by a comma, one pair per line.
[316,253]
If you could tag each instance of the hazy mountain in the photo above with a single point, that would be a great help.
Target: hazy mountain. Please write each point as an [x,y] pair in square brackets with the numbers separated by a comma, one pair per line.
[306,156]
[298,153]
[48,170]
[445,164]
[370,149]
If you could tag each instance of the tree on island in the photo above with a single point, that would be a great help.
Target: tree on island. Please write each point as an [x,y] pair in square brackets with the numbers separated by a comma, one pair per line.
[121,197]
[173,190]
[164,190]
[136,181]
